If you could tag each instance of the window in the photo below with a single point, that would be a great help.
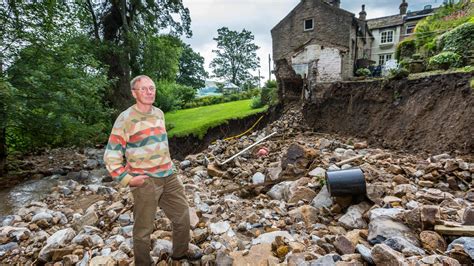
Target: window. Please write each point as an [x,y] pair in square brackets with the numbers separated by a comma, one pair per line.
[386,36]
[308,24]
[383,58]
[410,29]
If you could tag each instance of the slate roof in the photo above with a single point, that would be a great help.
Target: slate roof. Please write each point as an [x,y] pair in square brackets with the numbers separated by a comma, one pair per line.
[384,22]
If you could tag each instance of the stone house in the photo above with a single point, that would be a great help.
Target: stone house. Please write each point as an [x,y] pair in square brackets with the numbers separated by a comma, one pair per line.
[317,42]
[319,32]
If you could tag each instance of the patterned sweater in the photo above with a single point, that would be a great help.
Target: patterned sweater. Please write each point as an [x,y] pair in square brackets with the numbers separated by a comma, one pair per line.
[142,139]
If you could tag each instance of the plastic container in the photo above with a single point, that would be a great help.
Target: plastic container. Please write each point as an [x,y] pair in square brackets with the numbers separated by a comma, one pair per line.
[348,182]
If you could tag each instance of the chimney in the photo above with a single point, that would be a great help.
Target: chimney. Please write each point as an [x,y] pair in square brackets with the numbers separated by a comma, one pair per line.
[363,14]
[335,3]
[403,7]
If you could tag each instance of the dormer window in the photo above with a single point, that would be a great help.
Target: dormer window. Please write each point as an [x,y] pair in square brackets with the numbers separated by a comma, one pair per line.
[386,36]
[308,24]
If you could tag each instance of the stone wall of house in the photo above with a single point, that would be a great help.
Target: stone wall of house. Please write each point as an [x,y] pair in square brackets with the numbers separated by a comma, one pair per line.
[332,27]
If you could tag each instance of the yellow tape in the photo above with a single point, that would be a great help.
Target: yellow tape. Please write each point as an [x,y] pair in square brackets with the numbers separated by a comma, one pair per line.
[248,130]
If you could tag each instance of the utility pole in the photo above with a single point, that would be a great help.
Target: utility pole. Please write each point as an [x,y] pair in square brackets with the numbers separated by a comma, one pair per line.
[269,67]
[259,78]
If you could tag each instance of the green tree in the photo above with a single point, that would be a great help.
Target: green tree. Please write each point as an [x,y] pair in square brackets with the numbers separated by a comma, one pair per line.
[236,55]
[5,100]
[123,29]
[160,58]
[191,69]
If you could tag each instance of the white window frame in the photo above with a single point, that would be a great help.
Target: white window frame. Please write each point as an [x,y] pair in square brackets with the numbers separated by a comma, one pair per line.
[385,35]
[304,24]
[383,58]
[412,27]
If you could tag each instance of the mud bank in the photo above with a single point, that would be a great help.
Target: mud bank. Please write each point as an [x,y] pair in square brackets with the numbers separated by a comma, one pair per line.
[433,114]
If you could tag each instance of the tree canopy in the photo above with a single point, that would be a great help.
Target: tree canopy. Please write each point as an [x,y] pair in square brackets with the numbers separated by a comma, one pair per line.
[236,55]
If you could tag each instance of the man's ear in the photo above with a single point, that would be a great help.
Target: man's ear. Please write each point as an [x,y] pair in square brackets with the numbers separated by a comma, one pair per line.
[133,93]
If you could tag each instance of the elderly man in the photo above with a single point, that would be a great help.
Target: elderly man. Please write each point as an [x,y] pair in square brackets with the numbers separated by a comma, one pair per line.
[139,135]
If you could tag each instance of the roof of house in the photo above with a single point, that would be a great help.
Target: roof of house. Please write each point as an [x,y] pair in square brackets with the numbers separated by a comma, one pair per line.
[383,22]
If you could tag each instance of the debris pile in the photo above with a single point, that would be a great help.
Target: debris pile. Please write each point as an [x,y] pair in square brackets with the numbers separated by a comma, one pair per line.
[268,206]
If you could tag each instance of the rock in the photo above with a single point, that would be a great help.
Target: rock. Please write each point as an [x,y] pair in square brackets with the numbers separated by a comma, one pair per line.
[404,246]
[11,219]
[42,216]
[102,261]
[432,241]
[466,242]
[383,228]
[343,245]
[223,259]
[88,240]
[425,183]
[90,218]
[468,217]
[394,213]
[302,193]
[259,255]
[299,156]
[430,214]
[297,247]
[439,157]
[268,238]
[274,172]
[329,259]
[193,217]
[404,189]
[436,260]
[395,169]
[70,260]
[305,213]
[58,254]
[57,240]
[318,172]
[280,191]
[433,195]
[185,164]
[400,179]
[18,233]
[219,227]
[323,199]
[124,219]
[384,255]
[258,178]
[214,170]
[353,219]
[365,252]
[375,192]
[162,247]
[7,247]
[361,145]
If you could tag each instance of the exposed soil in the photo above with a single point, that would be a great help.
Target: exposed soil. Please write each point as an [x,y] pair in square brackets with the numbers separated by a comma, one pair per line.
[433,114]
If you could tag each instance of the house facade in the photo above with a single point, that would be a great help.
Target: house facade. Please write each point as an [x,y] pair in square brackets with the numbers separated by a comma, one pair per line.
[320,42]
[390,30]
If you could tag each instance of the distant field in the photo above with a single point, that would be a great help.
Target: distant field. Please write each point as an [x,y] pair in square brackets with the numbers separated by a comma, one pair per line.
[198,120]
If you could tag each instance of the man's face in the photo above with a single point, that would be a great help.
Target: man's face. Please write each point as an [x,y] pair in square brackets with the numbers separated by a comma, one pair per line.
[144,91]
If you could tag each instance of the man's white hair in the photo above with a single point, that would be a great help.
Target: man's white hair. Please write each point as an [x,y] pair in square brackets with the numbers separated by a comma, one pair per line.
[137,79]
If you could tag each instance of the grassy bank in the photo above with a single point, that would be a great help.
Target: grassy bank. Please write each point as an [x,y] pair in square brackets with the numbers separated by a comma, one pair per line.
[198,120]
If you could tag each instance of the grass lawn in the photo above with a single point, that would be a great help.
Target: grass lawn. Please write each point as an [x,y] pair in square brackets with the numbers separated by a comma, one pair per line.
[198,120]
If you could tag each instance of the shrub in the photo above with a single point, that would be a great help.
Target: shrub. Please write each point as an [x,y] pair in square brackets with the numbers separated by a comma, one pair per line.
[459,40]
[405,49]
[363,72]
[269,96]
[416,56]
[398,73]
[445,60]
[257,102]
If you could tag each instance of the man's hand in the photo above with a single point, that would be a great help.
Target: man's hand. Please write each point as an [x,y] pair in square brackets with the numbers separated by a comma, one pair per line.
[137,180]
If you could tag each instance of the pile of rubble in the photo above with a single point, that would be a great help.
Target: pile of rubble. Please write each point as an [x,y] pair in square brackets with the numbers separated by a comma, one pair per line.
[268,206]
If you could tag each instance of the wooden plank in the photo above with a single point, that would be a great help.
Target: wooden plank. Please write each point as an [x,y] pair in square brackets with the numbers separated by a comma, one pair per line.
[463,230]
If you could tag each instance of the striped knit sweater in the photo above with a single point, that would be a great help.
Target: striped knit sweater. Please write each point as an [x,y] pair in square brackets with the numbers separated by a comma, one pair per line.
[142,139]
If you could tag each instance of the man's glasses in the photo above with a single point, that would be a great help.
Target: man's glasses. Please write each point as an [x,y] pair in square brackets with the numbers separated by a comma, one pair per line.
[144,89]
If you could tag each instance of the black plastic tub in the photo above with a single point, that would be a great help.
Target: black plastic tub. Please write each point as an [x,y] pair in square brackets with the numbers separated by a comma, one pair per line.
[348,182]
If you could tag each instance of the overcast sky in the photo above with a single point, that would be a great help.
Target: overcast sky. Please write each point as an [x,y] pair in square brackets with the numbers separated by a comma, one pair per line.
[260,16]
